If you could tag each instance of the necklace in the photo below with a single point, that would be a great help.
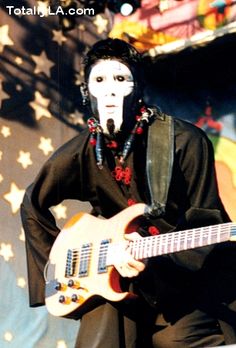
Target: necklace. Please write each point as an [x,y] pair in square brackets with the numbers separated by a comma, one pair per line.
[143,118]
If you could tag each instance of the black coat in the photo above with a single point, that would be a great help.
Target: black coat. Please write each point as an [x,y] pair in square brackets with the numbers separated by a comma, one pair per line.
[203,278]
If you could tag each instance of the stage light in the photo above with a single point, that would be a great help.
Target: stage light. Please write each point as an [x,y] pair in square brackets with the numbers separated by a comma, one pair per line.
[125,8]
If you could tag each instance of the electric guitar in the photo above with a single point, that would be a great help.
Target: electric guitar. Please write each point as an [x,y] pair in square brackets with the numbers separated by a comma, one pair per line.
[80,268]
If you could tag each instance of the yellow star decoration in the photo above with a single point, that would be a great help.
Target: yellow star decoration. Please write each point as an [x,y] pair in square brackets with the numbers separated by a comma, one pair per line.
[5,131]
[8,336]
[43,64]
[22,235]
[21,282]
[40,106]
[1,178]
[46,145]
[18,60]
[24,159]
[61,344]
[4,37]
[3,94]
[100,23]
[58,37]
[14,197]
[60,211]
[43,7]
[77,118]
[6,251]
[81,27]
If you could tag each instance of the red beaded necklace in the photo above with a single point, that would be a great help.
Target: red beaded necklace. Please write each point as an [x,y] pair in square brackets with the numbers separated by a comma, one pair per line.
[97,141]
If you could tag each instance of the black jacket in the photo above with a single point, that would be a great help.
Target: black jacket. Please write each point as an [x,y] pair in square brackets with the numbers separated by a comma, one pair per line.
[192,277]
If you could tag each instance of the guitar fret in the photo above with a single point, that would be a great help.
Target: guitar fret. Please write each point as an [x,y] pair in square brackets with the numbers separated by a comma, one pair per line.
[172,243]
[184,240]
[209,235]
[142,249]
[201,237]
[193,239]
[155,245]
[164,251]
[179,242]
[137,252]
[145,249]
[218,234]
[150,247]
[160,245]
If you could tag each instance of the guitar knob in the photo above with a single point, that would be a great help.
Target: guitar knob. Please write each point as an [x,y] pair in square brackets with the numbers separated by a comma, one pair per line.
[64,299]
[73,284]
[74,298]
[60,286]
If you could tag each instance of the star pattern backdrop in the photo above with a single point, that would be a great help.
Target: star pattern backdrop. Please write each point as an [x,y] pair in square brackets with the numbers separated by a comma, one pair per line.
[40,109]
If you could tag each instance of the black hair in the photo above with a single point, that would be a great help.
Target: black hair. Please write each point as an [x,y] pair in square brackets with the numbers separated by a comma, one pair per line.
[113,49]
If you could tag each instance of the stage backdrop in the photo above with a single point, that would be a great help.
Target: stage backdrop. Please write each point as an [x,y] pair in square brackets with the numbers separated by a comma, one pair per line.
[40,108]
[40,73]
[164,26]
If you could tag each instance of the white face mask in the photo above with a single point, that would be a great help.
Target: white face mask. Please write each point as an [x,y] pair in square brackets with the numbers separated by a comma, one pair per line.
[109,82]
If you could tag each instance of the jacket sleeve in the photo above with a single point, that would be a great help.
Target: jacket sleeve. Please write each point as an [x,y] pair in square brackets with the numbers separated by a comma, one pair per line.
[59,179]
[195,156]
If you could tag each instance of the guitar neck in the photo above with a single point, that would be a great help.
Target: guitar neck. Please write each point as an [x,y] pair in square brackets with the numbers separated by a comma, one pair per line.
[173,242]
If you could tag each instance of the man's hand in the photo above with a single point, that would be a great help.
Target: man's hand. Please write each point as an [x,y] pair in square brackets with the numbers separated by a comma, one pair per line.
[130,267]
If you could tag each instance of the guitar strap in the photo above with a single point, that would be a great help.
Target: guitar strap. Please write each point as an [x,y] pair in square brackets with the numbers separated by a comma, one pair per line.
[159,162]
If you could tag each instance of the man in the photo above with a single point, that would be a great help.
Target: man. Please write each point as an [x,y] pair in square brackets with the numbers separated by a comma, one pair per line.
[182,300]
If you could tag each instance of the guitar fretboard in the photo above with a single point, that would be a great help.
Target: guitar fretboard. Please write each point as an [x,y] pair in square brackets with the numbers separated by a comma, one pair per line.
[109,253]
[181,240]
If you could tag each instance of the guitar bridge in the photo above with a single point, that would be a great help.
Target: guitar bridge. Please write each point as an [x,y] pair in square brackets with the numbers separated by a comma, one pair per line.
[71,262]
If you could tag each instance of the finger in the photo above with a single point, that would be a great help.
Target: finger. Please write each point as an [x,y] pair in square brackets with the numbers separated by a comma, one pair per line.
[127,271]
[130,269]
[132,236]
[137,265]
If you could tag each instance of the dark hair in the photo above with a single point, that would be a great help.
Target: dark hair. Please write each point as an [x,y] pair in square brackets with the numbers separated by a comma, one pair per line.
[113,49]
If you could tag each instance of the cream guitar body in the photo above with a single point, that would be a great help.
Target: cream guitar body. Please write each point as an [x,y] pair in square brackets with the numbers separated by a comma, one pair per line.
[80,272]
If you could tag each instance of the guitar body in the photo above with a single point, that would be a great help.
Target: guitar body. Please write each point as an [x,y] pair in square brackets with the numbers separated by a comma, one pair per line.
[80,273]
[77,278]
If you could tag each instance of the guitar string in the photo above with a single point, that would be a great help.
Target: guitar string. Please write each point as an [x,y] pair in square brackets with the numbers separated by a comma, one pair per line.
[162,243]
[166,240]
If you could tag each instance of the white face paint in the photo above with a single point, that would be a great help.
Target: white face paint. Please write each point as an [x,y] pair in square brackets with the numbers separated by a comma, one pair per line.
[109,82]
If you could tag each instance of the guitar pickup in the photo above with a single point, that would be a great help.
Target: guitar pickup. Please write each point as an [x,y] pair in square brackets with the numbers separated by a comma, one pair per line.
[102,258]
[78,261]
[85,257]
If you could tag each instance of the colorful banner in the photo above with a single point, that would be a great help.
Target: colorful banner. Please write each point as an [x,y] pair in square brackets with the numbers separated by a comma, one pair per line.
[170,25]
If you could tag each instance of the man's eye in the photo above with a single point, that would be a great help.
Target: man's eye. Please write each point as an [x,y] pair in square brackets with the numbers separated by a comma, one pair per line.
[120,78]
[99,79]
